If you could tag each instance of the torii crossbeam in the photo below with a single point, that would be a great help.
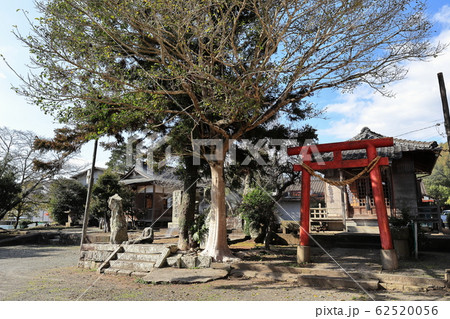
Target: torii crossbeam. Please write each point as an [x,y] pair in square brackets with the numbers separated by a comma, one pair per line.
[388,255]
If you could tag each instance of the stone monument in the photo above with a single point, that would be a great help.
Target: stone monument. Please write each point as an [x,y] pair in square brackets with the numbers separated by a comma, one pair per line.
[118,223]
[176,209]
[71,218]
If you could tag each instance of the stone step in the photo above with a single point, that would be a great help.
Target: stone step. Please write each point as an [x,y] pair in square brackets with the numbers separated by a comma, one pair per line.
[291,274]
[368,226]
[131,265]
[95,255]
[139,248]
[99,247]
[412,281]
[335,278]
[138,257]
[149,248]
[292,270]
[401,287]
[114,271]
[336,282]
[363,229]
[336,273]
[104,239]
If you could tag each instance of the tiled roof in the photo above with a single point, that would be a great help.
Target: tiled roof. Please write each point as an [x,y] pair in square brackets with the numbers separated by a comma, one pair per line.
[317,186]
[392,152]
[85,171]
[138,176]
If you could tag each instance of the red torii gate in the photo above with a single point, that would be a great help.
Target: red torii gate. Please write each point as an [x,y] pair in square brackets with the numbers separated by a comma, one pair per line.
[388,255]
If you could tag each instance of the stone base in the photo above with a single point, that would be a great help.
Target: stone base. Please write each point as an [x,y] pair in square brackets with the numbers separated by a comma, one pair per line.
[303,254]
[402,248]
[173,225]
[389,260]
[184,276]
[447,277]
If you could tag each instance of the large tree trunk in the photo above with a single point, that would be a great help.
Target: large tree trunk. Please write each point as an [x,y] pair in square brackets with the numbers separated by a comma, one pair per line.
[247,182]
[186,217]
[16,223]
[217,246]
[19,214]
[269,232]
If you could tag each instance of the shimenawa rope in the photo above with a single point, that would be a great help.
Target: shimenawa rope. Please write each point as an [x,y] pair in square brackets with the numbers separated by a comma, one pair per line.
[367,169]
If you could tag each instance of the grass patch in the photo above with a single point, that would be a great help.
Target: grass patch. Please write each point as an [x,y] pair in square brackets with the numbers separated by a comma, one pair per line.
[360,298]
[140,281]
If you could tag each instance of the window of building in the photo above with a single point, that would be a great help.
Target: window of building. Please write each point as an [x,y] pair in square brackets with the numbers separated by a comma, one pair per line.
[148,201]
[364,190]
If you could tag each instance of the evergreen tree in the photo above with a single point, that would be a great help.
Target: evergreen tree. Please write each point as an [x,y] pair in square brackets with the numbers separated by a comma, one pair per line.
[438,183]
[66,195]
[9,188]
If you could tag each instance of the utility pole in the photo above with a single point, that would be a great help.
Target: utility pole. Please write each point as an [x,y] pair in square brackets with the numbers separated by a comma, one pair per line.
[444,106]
[343,200]
[89,195]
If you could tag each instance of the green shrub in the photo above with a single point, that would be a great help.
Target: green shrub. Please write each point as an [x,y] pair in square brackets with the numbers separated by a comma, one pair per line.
[24,223]
[401,221]
[257,210]
[199,228]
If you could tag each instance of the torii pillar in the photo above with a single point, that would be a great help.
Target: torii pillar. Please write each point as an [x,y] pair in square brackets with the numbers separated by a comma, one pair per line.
[389,258]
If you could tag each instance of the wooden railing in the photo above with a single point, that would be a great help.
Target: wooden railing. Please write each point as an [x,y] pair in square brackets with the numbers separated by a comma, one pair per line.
[429,216]
[318,213]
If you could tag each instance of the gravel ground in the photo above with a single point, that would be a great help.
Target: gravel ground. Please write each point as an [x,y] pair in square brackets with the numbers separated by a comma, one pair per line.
[19,265]
[49,273]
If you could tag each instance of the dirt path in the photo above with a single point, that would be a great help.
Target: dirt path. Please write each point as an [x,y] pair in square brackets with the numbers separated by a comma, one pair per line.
[49,273]
[21,264]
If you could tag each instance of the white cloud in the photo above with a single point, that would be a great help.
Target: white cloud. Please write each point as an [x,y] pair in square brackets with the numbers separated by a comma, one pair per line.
[416,104]
[443,16]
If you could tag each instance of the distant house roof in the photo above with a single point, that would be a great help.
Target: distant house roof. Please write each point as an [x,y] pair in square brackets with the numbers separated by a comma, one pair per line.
[317,186]
[85,171]
[141,176]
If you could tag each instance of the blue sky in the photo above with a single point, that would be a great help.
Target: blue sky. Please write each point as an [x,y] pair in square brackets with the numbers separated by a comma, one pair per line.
[416,104]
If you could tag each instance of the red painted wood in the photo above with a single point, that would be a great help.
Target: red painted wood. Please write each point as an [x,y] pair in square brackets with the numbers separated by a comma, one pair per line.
[380,204]
[342,146]
[337,156]
[304,211]
[338,162]
[384,161]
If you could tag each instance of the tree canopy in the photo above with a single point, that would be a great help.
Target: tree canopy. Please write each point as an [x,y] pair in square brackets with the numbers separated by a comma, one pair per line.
[18,151]
[66,195]
[238,62]
[228,65]
[438,183]
[9,188]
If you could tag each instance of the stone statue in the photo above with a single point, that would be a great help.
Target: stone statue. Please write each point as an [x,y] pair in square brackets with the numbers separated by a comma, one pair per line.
[146,237]
[118,223]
